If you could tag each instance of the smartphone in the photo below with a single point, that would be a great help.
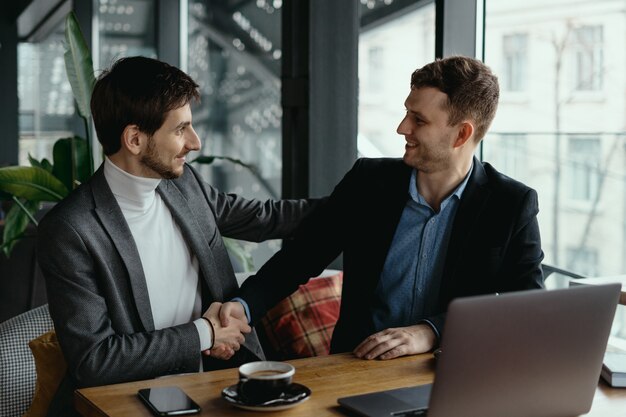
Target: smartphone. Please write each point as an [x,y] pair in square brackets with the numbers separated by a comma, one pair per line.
[168,401]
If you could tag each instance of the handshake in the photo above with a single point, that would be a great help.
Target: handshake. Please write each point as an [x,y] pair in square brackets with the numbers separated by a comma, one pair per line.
[229,323]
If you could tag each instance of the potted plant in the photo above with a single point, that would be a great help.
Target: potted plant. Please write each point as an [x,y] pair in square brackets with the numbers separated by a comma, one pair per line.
[72,163]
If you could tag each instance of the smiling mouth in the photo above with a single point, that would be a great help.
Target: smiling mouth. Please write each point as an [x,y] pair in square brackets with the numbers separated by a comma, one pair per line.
[410,145]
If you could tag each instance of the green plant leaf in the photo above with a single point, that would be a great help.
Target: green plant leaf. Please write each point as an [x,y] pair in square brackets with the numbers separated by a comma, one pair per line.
[71,161]
[204,159]
[4,196]
[31,183]
[209,159]
[16,222]
[44,164]
[78,65]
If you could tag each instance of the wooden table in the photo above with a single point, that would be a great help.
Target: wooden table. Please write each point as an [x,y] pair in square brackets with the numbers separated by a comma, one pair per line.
[328,377]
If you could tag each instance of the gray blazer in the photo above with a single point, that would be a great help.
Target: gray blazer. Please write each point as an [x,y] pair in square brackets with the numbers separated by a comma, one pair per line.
[96,285]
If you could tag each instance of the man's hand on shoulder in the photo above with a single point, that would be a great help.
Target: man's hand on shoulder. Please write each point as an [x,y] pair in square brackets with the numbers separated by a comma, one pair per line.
[229,337]
[395,342]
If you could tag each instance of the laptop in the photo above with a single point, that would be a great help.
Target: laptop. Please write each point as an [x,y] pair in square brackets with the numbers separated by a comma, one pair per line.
[522,354]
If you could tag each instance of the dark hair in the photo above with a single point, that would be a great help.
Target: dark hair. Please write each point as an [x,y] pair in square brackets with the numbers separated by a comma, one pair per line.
[139,91]
[471,87]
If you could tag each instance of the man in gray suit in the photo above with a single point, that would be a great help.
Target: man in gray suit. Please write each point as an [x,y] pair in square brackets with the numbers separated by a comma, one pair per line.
[134,257]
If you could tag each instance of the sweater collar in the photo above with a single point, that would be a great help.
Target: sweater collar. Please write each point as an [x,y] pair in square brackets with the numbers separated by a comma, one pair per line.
[135,192]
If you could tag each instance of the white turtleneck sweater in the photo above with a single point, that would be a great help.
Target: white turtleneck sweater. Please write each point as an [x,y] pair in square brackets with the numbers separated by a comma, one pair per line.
[170,268]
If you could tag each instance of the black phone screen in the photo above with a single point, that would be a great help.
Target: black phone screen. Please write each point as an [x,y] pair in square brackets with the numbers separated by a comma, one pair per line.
[168,401]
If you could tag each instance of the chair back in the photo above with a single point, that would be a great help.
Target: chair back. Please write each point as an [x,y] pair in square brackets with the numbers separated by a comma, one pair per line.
[17,366]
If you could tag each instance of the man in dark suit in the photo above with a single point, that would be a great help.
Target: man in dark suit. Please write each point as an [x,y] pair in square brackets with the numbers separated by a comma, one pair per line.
[418,232]
[134,256]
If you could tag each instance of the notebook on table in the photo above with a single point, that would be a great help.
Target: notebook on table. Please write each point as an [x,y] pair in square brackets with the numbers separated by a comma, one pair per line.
[523,354]
[614,369]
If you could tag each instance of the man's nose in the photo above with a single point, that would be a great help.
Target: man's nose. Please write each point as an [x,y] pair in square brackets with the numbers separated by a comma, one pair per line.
[403,127]
[193,142]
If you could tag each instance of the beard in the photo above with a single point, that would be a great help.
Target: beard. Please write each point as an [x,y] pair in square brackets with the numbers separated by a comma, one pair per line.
[427,160]
[151,159]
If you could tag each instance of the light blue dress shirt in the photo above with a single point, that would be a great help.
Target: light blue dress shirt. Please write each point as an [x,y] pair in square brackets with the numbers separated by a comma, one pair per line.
[408,290]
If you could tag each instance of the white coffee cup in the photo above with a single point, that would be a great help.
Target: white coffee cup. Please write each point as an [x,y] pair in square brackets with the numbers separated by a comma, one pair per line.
[264,380]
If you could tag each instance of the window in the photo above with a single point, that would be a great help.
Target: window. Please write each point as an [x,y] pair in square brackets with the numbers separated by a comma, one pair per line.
[583,158]
[125,28]
[234,54]
[406,41]
[588,51]
[583,261]
[573,155]
[376,69]
[46,103]
[515,66]
[508,153]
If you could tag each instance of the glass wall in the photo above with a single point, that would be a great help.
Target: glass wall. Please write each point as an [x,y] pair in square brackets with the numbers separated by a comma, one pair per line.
[46,104]
[388,55]
[125,28]
[235,56]
[560,125]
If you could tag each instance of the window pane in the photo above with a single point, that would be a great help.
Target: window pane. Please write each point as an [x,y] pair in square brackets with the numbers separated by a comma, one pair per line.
[583,163]
[573,113]
[582,259]
[235,57]
[126,28]
[388,54]
[46,103]
[508,153]
[515,64]
[587,45]
[573,153]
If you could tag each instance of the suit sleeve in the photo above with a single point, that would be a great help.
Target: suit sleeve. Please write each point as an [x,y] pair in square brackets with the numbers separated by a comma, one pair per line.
[255,220]
[97,353]
[318,241]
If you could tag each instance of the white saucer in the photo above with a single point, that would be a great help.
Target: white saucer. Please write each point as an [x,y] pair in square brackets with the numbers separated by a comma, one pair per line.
[296,394]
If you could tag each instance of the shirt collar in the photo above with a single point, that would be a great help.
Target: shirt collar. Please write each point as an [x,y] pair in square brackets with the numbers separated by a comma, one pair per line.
[458,191]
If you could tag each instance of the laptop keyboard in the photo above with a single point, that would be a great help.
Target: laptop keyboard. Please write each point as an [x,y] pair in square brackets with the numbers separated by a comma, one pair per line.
[411,413]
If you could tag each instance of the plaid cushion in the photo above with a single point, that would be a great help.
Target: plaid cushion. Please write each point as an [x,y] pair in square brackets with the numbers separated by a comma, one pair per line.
[302,324]
[17,366]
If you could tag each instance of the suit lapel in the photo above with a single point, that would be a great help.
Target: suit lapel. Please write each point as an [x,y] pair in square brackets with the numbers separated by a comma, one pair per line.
[110,214]
[395,193]
[472,204]
[195,235]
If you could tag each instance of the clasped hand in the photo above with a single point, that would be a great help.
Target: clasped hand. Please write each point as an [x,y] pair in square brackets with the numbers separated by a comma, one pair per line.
[229,325]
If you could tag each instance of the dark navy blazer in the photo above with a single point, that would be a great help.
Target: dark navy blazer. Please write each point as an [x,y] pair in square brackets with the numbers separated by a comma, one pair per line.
[494,244]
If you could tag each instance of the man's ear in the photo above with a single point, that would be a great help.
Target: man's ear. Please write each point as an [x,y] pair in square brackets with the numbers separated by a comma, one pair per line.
[466,131]
[132,139]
